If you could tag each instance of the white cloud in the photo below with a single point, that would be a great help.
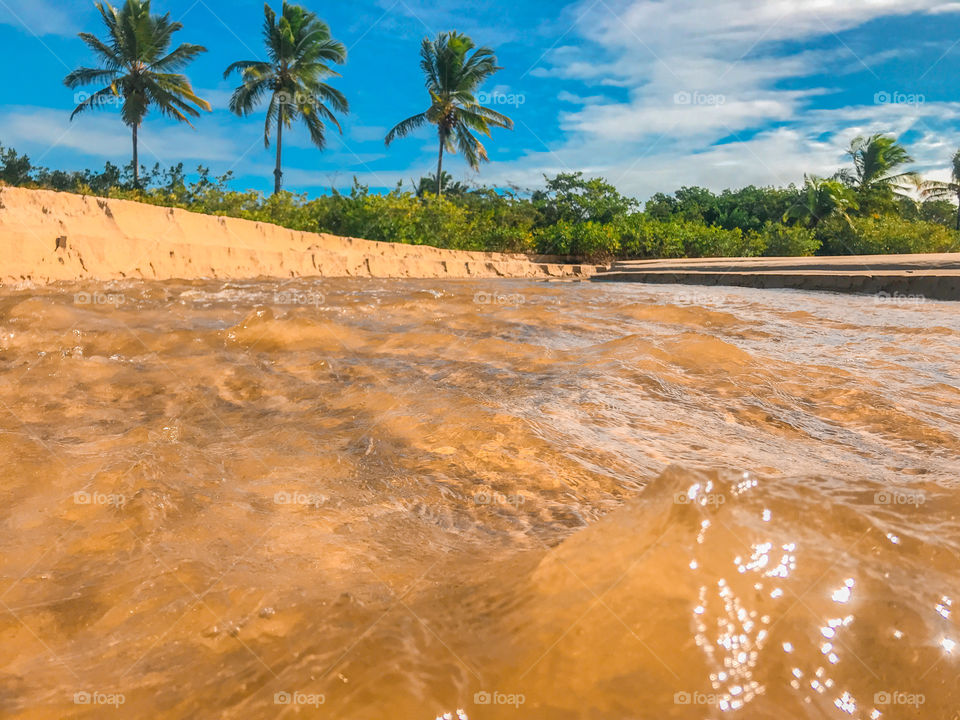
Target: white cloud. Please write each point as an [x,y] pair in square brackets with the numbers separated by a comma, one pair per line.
[41,130]
[706,99]
[44,17]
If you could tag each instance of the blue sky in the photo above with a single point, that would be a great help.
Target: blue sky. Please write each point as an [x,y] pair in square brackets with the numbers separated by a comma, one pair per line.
[652,94]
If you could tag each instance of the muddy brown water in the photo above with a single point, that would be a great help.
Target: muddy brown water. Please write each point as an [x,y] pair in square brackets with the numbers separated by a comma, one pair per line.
[372,499]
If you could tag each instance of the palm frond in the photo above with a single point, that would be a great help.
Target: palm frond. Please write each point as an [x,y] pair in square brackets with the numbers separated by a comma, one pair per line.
[178,58]
[101,97]
[248,96]
[86,76]
[473,150]
[404,128]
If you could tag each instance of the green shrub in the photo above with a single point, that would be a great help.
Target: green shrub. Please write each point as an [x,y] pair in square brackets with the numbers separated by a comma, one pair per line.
[643,237]
[590,240]
[781,240]
[889,234]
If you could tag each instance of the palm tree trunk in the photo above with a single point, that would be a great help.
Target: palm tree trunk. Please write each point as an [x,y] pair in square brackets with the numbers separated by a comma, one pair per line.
[440,170]
[278,173]
[136,159]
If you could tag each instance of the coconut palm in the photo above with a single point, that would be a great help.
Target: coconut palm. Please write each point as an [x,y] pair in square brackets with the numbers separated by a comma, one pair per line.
[936,190]
[300,49]
[138,70]
[820,199]
[875,177]
[452,77]
[428,184]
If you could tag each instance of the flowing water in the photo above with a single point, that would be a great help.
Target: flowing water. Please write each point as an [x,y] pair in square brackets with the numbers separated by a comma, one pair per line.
[371,499]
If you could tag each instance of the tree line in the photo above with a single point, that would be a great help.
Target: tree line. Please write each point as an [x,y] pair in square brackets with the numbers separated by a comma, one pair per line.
[137,71]
[570,215]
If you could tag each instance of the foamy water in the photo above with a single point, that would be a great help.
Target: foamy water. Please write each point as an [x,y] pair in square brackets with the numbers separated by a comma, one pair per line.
[370,499]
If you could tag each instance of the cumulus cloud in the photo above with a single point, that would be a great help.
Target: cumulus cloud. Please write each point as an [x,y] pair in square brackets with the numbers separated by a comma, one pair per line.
[709,92]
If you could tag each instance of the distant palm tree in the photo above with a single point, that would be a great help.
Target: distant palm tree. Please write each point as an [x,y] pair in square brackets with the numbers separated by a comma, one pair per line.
[300,47]
[936,190]
[820,199]
[428,184]
[138,69]
[875,176]
[452,78]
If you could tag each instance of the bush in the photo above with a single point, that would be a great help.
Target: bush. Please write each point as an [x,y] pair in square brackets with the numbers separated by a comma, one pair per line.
[643,237]
[892,235]
[780,240]
[596,242]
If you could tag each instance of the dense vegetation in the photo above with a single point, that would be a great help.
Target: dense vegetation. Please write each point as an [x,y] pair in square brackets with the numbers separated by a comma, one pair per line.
[571,215]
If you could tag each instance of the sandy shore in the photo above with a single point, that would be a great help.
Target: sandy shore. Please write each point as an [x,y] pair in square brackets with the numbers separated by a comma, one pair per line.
[48,236]
[895,277]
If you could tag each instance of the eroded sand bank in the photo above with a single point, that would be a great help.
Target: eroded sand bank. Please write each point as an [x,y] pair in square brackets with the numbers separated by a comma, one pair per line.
[47,236]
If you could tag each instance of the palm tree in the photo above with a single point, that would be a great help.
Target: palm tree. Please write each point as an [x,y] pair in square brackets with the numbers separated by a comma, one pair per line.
[451,79]
[936,190]
[428,184]
[819,200]
[300,47]
[138,70]
[875,176]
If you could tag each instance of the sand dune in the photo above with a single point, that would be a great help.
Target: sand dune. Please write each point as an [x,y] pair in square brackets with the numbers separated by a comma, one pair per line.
[47,236]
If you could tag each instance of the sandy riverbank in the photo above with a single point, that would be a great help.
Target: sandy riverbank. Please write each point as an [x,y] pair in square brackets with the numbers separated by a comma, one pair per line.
[48,236]
[899,278]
